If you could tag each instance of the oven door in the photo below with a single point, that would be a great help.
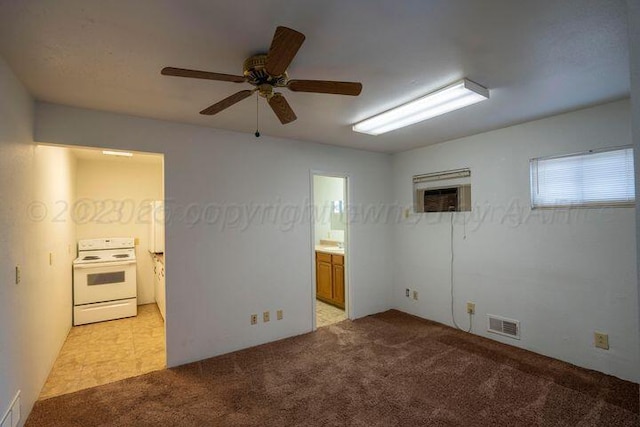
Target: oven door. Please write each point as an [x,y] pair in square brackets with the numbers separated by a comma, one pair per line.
[106,281]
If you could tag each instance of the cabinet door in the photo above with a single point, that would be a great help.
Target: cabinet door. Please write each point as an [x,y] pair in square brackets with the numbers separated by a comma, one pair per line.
[338,284]
[323,279]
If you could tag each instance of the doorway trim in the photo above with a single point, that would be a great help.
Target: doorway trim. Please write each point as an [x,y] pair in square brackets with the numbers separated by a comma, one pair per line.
[348,304]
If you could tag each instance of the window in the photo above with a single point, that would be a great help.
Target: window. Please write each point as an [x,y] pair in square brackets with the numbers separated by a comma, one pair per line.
[595,178]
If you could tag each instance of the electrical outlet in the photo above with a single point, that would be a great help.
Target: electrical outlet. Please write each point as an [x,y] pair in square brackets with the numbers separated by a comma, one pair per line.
[266,316]
[601,340]
[254,319]
[279,315]
[407,292]
[471,308]
[415,295]
[18,274]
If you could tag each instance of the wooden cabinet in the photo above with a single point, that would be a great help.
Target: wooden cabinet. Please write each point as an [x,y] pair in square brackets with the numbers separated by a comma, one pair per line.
[324,282]
[330,278]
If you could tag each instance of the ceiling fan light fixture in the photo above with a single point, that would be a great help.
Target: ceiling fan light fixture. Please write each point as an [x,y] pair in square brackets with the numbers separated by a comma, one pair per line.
[452,97]
[266,72]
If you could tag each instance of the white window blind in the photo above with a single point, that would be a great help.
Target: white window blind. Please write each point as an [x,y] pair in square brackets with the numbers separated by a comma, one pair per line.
[586,179]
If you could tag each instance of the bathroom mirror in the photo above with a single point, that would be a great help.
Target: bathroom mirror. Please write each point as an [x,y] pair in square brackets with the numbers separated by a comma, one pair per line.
[337,215]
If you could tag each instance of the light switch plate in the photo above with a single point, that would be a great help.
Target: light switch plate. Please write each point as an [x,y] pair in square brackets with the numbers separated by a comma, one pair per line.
[266,317]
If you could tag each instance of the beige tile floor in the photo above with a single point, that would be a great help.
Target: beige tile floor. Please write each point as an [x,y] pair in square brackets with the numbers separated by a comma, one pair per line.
[100,353]
[327,314]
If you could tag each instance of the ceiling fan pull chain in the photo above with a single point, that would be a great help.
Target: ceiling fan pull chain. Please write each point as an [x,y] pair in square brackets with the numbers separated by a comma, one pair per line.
[257,134]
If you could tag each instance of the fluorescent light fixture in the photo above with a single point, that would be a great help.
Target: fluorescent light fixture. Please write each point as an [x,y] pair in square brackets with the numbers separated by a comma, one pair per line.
[455,96]
[117,153]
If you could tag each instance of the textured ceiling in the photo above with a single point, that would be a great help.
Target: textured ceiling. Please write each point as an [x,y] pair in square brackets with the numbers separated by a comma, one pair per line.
[538,58]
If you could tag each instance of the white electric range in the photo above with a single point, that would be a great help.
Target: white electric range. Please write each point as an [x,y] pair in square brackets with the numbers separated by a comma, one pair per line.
[104,280]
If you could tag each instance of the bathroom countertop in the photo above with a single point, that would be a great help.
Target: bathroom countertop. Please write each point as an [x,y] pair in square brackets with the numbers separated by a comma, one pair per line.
[330,249]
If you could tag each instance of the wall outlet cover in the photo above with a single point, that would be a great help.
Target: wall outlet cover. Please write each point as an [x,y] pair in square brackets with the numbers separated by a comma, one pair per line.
[601,340]
[266,316]
[471,308]
[279,315]
[407,292]
[254,319]
[415,295]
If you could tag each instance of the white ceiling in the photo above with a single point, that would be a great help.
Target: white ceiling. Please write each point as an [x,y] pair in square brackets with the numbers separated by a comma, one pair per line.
[538,58]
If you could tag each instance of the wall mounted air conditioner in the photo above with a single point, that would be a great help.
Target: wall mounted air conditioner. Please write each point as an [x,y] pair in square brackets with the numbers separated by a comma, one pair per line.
[448,191]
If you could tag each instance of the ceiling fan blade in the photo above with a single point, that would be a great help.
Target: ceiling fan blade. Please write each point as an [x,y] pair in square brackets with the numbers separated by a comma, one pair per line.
[284,46]
[227,102]
[281,107]
[322,86]
[196,74]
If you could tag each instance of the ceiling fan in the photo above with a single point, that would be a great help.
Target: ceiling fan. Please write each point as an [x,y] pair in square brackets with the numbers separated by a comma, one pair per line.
[267,72]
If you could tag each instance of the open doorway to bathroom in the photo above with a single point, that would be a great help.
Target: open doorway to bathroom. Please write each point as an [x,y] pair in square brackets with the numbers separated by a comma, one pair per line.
[330,254]
[114,299]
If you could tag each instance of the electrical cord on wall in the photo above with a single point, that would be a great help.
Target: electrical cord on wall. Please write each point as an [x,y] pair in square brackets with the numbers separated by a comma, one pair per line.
[453,317]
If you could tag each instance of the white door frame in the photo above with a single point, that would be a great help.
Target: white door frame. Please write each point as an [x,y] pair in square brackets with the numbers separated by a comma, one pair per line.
[348,304]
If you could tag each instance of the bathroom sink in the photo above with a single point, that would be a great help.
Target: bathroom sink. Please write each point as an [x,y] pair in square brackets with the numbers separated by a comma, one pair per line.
[331,248]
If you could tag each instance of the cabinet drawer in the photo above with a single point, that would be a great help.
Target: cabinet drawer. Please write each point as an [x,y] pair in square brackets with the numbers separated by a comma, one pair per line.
[321,256]
[337,259]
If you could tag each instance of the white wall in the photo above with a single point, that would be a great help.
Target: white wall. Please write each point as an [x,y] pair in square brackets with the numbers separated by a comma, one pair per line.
[326,189]
[634,59]
[35,183]
[105,187]
[221,270]
[564,275]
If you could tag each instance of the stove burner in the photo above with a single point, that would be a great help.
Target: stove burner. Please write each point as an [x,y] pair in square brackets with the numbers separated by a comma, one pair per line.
[121,256]
[90,257]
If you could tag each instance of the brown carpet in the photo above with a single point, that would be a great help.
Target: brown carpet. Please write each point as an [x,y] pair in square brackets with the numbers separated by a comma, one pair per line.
[390,369]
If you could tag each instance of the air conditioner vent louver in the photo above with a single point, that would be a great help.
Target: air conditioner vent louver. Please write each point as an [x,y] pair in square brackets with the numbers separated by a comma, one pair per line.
[503,326]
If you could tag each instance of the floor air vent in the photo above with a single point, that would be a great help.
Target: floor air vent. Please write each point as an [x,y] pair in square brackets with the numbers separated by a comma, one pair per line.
[503,326]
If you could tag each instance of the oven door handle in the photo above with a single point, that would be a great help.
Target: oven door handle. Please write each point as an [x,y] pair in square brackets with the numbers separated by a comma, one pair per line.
[103,264]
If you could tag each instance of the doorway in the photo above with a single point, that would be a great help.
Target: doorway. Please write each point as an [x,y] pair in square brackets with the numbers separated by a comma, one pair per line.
[121,332]
[330,231]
